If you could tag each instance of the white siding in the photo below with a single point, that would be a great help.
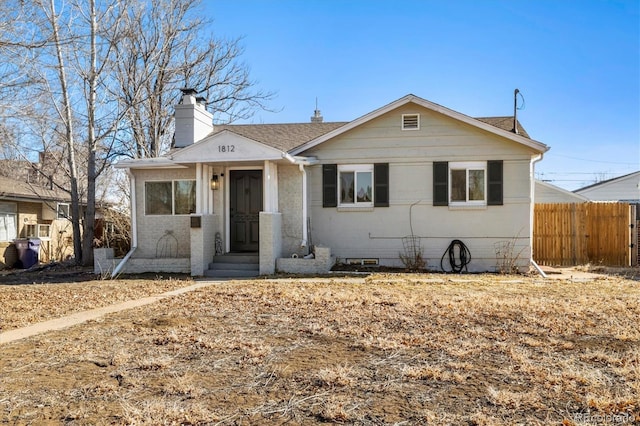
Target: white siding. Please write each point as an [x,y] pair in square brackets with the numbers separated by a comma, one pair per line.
[547,193]
[378,233]
[626,188]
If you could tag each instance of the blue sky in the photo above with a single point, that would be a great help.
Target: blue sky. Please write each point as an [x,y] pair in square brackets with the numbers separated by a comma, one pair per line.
[576,63]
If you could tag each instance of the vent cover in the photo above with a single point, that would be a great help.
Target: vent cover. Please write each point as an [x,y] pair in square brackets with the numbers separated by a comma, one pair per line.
[410,121]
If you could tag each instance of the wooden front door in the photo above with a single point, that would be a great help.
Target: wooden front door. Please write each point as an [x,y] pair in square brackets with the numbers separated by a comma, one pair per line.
[244,209]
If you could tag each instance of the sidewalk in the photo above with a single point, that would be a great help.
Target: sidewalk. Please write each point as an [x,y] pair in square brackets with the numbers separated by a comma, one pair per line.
[80,317]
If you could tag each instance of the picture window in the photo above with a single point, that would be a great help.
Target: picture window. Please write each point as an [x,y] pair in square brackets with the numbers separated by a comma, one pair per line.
[176,197]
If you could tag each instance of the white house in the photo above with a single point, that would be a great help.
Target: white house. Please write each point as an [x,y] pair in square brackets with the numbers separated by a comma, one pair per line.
[409,175]
[625,189]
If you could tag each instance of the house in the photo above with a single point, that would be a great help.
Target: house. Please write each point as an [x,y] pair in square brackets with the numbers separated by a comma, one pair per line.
[402,181]
[31,211]
[548,193]
[624,189]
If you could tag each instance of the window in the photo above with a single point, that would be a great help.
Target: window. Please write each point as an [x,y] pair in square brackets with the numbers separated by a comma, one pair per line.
[410,121]
[30,230]
[355,185]
[365,185]
[64,211]
[470,183]
[467,183]
[44,231]
[8,222]
[8,228]
[170,197]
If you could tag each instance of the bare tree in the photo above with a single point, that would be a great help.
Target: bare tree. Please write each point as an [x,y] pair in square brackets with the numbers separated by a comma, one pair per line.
[100,80]
[170,46]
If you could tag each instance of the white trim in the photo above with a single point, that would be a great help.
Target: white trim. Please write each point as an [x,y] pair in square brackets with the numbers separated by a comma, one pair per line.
[68,216]
[466,166]
[535,145]
[355,168]
[42,226]
[149,163]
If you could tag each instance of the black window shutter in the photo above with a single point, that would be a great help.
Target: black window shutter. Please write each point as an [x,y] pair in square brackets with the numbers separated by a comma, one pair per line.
[495,180]
[440,183]
[381,185]
[329,185]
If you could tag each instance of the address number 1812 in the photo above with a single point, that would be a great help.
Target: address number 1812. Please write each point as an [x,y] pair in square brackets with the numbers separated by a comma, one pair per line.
[226,148]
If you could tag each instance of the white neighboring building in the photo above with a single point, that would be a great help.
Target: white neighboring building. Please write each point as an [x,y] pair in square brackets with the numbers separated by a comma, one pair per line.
[624,189]
[548,193]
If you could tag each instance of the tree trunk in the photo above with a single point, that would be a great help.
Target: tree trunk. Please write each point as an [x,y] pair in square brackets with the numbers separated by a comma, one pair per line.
[68,122]
[90,212]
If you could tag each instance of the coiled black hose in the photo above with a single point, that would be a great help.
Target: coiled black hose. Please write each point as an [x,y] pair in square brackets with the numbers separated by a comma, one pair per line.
[464,256]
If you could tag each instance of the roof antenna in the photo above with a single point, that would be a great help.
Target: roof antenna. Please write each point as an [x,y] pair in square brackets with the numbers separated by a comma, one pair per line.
[515,109]
[317,116]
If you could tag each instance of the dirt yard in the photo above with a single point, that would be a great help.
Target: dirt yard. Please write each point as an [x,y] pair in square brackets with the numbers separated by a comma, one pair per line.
[385,349]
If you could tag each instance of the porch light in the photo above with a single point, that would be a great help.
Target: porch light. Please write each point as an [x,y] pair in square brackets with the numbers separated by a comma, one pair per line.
[215,184]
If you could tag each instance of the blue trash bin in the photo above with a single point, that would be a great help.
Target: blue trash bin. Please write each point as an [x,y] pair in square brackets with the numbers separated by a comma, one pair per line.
[28,249]
[34,248]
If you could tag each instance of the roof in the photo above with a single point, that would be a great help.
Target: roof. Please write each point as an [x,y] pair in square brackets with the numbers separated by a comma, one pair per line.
[607,182]
[554,194]
[491,126]
[281,136]
[287,136]
[504,123]
[295,138]
[17,189]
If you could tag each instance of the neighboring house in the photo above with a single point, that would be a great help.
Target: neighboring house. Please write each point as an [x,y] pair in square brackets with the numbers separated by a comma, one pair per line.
[625,189]
[354,191]
[548,193]
[31,211]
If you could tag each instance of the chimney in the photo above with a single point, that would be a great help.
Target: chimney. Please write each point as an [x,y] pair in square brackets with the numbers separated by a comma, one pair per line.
[317,116]
[192,120]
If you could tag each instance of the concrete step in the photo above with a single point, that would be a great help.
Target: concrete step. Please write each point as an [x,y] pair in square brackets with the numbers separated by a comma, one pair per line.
[231,273]
[234,265]
[237,258]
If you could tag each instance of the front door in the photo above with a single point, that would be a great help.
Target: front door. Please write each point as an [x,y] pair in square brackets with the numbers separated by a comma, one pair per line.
[244,209]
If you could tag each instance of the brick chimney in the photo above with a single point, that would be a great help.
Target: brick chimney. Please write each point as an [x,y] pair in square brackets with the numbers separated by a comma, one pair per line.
[192,120]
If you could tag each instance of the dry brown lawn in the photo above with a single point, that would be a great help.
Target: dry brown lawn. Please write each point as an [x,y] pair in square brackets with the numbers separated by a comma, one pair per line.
[380,350]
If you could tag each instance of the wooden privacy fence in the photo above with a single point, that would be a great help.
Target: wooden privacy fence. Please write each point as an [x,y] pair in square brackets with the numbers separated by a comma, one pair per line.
[577,234]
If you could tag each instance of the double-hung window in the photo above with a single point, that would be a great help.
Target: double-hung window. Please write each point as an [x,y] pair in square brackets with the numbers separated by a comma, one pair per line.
[355,185]
[176,197]
[467,183]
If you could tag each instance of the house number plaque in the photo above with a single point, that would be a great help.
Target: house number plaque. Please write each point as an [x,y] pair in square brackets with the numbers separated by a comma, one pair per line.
[226,148]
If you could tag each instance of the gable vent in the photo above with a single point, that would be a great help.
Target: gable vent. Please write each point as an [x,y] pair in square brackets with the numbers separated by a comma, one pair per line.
[410,121]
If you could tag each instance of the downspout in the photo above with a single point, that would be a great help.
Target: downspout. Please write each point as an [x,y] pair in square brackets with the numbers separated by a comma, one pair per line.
[531,214]
[134,226]
[300,164]
[305,231]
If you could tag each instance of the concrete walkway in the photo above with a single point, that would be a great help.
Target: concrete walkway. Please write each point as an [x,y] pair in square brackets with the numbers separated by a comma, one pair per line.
[80,317]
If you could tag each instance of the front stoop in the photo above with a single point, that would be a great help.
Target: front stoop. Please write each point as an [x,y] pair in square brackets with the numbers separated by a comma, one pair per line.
[234,265]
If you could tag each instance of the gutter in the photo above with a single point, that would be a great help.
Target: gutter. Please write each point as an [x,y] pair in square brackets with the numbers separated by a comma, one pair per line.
[301,162]
[134,226]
